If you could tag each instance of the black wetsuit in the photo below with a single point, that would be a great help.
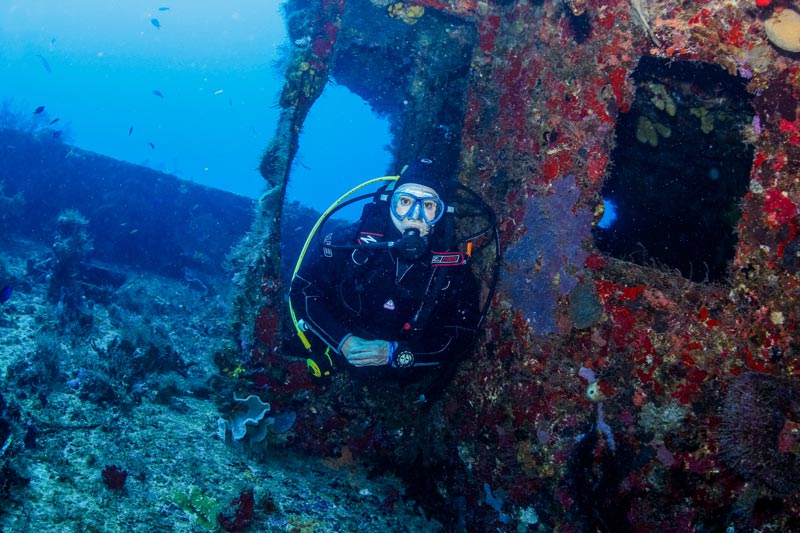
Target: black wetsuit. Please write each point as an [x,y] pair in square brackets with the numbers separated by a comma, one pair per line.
[378,295]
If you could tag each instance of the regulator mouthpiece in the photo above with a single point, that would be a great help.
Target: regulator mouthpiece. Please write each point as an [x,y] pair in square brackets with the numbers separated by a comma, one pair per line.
[411,246]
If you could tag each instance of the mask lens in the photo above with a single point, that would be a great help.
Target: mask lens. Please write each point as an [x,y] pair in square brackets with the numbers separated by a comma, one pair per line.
[402,204]
[428,209]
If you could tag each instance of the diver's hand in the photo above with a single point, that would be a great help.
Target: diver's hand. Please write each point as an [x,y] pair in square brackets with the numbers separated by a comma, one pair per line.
[361,352]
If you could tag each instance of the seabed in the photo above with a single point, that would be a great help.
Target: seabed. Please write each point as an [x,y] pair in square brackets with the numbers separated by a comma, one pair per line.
[163,432]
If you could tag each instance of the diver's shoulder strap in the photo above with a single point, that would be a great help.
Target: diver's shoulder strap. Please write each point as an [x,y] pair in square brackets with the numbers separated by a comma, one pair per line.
[372,225]
[384,193]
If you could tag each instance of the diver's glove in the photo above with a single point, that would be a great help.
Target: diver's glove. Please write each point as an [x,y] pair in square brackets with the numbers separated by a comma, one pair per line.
[361,352]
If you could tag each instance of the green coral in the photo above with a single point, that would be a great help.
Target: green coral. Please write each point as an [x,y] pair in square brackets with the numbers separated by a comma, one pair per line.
[662,99]
[648,132]
[408,14]
[663,130]
[706,118]
[204,508]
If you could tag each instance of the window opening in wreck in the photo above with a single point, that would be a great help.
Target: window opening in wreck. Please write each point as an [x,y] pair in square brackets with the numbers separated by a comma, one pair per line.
[343,144]
[680,169]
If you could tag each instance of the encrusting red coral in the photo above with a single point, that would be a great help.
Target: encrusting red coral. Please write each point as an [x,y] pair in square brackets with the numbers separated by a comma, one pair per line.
[114,477]
[243,513]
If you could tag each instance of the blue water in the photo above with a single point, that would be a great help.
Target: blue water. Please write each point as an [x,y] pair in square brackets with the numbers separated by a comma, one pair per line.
[342,145]
[100,66]
[609,214]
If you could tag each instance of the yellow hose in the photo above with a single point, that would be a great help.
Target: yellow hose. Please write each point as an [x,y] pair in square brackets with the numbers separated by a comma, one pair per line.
[334,205]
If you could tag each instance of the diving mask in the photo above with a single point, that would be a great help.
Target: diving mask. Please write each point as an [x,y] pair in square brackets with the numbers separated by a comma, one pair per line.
[425,205]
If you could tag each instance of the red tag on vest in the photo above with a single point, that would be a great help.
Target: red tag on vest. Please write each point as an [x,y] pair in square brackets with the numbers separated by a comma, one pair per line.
[447,259]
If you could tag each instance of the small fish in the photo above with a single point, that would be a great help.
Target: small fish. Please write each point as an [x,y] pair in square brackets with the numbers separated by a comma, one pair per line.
[230,102]
[52,43]
[153,146]
[5,294]
[133,232]
[158,93]
[57,134]
[163,9]
[45,64]
[219,92]
[130,131]
[54,121]
[38,110]
[155,23]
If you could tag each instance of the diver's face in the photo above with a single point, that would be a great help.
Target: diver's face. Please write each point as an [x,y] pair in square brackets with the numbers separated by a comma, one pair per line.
[417,207]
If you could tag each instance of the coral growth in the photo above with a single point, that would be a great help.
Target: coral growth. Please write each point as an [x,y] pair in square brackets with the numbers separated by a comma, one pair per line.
[249,421]
[783,30]
[130,368]
[243,512]
[542,264]
[39,372]
[114,477]
[757,411]
[72,245]
[252,425]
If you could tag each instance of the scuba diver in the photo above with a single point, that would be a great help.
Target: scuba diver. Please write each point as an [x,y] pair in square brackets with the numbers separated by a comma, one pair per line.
[392,290]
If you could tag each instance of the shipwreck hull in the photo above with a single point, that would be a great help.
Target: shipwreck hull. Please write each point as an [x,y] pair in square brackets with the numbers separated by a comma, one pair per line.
[602,394]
